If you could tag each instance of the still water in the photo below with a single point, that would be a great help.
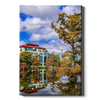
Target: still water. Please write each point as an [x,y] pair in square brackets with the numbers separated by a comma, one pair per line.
[37,83]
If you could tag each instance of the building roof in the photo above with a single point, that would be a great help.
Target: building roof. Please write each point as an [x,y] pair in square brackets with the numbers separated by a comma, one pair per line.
[31,45]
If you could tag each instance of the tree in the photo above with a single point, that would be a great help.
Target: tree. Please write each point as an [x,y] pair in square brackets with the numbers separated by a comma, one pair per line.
[36,62]
[68,71]
[26,57]
[61,71]
[35,77]
[65,62]
[29,59]
[58,58]
[23,73]
[79,61]
[25,80]
[70,32]
[23,66]
[35,57]
[35,65]
[69,88]
[52,61]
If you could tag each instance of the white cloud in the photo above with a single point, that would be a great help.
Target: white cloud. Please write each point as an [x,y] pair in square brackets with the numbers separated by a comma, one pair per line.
[46,34]
[44,12]
[22,43]
[69,9]
[33,24]
[56,46]
[42,17]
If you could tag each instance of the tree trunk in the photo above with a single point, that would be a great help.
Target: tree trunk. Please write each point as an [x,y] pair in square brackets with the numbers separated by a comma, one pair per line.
[23,69]
[73,57]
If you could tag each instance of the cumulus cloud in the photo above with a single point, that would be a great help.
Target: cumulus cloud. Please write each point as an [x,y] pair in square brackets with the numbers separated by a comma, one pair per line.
[46,34]
[43,15]
[55,46]
[72,9]
[44,12]
[33,24]
[39,25]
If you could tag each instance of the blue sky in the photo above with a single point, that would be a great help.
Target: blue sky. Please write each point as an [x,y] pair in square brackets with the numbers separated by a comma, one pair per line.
[35,23]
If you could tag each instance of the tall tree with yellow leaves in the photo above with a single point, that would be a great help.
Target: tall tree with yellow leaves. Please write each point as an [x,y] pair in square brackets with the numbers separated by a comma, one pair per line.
[69,31]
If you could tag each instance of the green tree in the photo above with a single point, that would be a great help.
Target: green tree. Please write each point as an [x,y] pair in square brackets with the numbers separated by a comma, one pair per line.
[69,88]
[36,61]
[29,59]
[52,61]
[70,32]
[26,57]
[25,80]
[58,58]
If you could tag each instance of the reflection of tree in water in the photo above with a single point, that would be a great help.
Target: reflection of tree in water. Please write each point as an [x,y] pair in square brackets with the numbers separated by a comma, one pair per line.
[69,88]
[23,73]
[25,80]
[35,77]
[28,77]
[51,77]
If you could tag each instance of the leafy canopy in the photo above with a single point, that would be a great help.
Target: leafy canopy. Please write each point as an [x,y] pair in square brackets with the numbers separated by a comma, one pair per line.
[69,31]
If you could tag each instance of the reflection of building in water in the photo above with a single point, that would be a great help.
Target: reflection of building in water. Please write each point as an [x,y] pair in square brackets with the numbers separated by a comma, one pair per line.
[41,84]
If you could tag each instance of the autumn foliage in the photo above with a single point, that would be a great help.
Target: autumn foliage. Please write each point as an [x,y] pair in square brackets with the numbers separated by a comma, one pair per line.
[23,65]
[65,62]
[68,71]
[23,73]
[52,62]
[36,62]
[69,31]
[35,77]
[69,88]
[61,71]
[33,66]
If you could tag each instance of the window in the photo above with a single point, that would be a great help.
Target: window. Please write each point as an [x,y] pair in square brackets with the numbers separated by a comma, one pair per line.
[40,53]
[47,56]
[39,50]
[41,83]
[35,53]
[44,59]
[34,49]
[41,59]
[44,53]
[20,49]
[28,49]
[44,50]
